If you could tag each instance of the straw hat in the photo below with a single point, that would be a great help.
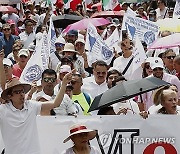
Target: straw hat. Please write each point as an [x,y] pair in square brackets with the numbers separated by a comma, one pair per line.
[69,47]
[77,129]
[14,83]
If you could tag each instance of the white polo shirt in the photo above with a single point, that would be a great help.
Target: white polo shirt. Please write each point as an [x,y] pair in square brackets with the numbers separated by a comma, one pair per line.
[91,87]
[27,39]
[19,128]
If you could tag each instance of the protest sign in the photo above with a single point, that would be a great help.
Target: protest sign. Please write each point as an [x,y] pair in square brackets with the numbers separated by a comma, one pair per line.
[146,30]
[98,49]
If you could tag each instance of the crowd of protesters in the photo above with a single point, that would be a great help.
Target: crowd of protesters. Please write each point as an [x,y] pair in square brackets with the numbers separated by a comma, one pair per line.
[70,84]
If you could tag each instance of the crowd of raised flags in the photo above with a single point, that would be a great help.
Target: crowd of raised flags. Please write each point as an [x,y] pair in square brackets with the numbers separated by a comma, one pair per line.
[132,46]
[99,45]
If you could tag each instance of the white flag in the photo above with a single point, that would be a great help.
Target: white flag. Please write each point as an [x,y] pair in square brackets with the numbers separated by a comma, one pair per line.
[113,40]
[34,67]
[176,13]
[139,58]
[98,49]
[52,37]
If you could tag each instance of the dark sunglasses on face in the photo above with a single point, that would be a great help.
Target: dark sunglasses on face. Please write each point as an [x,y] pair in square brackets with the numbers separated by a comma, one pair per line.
[21,91]
[59,45]
[51,80]
[170,57]
[158,68]
[6,29]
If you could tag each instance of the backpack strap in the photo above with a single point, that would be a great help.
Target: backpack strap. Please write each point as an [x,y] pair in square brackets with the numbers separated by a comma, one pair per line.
[127,66]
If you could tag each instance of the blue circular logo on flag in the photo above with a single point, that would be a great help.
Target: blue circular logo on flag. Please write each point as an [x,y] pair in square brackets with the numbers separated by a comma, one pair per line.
[106,53]
[33,73]
[149,37]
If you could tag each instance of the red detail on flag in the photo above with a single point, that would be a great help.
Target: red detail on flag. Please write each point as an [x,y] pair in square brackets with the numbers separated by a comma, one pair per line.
[117,8]
[74,3]
[59,3]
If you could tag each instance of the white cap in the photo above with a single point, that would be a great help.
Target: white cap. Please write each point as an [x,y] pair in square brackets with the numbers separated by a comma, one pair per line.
[80,39]
[7,61]
[156,62]
[60,39]
[24,52]
[65,68]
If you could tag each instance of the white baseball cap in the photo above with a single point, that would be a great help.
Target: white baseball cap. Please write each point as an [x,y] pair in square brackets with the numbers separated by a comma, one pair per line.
[156,62]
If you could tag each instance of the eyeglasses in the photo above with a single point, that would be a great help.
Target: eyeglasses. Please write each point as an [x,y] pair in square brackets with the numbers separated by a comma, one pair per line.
[157,68]
[7,67]
[6,29]
[103,73]
[23,56]
[59,45]
[49,80]
[170,57]
[21,91]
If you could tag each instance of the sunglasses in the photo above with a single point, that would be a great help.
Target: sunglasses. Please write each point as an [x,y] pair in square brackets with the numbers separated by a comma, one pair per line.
[49,80]
[6,29]
[18,91]
[59,45]
[170,57]
[158,68]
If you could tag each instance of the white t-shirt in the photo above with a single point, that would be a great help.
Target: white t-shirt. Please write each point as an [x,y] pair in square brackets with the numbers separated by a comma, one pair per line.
[161,13]
[17,127]
[70,151]
[128,104]
[91,87]
[27,39]
[66,107]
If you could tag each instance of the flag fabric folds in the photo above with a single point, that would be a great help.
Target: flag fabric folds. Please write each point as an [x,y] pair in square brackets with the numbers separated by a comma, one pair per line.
[98,49]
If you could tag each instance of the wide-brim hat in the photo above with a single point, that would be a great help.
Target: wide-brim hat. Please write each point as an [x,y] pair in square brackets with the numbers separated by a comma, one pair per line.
[69,47]
[77,129]
[14,83]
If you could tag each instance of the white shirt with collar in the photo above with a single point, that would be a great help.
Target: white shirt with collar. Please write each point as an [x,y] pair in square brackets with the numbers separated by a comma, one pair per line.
[17,127]
[27,39]
[91,87]
[66,107]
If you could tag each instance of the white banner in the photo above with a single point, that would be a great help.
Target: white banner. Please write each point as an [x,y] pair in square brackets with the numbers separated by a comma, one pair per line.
[98,49]
[9,1]
[146,30]
[116,134]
